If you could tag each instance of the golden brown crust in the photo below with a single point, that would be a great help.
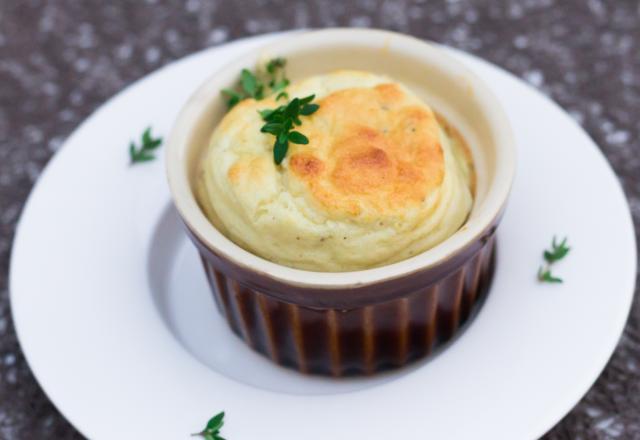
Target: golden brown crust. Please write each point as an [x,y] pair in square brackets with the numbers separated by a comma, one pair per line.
[371,149]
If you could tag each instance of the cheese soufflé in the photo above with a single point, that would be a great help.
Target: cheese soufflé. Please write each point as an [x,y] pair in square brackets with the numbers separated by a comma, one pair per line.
[382,178]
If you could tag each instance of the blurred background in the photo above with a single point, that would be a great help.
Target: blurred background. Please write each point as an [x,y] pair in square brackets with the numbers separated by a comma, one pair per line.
[60,60]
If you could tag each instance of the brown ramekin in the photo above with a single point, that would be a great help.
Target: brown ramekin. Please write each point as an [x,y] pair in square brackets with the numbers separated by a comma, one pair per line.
[365,321]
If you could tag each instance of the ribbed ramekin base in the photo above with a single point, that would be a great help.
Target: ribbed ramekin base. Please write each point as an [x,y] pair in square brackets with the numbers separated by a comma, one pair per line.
[362,340]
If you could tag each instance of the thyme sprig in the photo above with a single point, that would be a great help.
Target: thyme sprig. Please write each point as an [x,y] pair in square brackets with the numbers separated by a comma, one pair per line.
[557,252]
[145,152]
[281,121]
[212,430]
[545,276]
[259,84]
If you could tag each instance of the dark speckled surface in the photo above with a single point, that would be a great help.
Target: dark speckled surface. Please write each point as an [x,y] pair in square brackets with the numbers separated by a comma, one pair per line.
[59,60]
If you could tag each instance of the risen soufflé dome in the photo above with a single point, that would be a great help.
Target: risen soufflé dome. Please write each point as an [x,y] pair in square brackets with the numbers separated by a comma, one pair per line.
[382,178]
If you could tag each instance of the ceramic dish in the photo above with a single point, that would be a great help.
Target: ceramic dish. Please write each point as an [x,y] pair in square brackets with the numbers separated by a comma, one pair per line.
[364,321]
[114,314]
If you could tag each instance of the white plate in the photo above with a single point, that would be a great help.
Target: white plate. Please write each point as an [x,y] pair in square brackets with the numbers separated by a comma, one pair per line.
[115,319]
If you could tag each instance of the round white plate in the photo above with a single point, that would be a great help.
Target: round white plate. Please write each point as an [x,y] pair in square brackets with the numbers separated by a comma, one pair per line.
[116,321]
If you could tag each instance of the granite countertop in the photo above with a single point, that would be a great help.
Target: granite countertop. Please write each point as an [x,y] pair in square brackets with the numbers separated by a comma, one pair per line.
[59,60]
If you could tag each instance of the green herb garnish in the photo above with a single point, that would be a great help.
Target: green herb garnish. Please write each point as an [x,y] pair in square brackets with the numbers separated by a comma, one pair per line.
[233,97]
[557,252]
[545,276]
[212,430]
[145,152]
[277,80]
[260,83]
[281,121]
[276,64]
[251,85]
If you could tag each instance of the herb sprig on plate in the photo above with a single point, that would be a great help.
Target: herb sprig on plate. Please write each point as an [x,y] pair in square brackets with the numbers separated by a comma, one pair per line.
[259,84]
[145,153]
[545,276]
[557,252]
[281,122]
[212,430]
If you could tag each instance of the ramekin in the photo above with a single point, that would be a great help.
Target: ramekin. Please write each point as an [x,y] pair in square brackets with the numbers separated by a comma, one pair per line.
[364,321]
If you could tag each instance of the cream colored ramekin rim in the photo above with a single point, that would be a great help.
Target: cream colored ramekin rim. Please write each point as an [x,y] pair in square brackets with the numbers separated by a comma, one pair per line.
[192,215]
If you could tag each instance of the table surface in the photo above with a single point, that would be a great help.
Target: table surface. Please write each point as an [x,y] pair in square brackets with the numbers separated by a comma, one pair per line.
[59,60]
